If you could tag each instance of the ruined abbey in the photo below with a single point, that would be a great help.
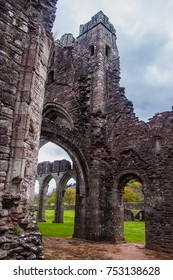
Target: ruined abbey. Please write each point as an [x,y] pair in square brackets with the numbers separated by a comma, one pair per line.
[68,92]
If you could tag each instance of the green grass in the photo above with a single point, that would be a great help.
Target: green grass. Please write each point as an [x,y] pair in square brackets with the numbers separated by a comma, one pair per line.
[59,230]
[133,231]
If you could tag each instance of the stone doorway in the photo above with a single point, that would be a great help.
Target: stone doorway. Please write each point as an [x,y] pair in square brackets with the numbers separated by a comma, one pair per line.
[80,169]
[135,215]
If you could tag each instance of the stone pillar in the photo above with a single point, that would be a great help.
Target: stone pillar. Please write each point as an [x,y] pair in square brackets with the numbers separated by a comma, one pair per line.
[43,189]
[59,206]
[120,217]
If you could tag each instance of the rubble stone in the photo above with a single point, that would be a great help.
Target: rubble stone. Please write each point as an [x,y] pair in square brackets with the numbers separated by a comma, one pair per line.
[68,92]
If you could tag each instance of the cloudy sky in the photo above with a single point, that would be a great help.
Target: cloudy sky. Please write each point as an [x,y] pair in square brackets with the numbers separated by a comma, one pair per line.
[145,42]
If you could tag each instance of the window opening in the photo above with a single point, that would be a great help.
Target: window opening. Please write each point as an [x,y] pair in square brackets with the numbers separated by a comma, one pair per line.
[107,50]
[50,79]
[91,50]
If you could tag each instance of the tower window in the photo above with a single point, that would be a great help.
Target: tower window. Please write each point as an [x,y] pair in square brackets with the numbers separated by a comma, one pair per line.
[50,78]
[92,50]
[107,50]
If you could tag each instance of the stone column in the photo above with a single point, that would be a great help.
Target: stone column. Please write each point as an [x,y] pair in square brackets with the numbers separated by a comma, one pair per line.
[43,189]
[59,206]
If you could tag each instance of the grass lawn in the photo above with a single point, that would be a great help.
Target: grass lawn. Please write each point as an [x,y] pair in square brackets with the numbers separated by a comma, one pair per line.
[133,231]
[59,230]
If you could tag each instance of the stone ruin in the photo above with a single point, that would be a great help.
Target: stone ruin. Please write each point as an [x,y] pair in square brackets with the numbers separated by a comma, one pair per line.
[61,171]
[68,92]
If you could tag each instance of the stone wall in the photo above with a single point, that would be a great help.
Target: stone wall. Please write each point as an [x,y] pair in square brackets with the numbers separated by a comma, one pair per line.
[86,112]
[134,205]
[94,121]
[25,45]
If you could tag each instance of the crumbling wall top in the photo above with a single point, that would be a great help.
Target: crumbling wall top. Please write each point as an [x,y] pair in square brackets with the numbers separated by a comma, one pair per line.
[100,17]
[67,40]
[47,167]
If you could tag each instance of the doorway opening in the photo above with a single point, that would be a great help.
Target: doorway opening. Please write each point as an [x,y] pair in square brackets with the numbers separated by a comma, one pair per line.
[131,209]
[55,175]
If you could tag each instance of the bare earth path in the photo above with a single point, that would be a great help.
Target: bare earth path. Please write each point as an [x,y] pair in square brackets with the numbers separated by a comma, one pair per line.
[74,249]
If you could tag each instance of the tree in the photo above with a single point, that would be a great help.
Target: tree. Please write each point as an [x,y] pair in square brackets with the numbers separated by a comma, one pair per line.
[129,195]
[52,199]
[70,195]
[133,191]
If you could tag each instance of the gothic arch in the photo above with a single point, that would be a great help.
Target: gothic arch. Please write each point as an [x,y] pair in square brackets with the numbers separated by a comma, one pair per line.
[67,176]
[43,188]
[122,180]
[66,140]
[59,206]
[58,114]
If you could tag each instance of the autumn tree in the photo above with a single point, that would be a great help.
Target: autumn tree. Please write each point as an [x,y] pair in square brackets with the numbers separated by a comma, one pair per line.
[70,195]
[133,191]
[129,195]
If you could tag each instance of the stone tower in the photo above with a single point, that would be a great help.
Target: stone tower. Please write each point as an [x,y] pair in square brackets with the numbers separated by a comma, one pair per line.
[68,92]
[83,95]
[87,113]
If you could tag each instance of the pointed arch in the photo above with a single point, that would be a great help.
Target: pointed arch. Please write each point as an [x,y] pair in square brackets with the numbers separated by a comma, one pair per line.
[58,114]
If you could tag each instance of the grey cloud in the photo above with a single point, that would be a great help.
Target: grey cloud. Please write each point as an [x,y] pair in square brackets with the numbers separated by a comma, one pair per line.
[144,31]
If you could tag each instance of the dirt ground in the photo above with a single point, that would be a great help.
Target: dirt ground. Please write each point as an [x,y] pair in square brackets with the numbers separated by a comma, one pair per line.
[75,249]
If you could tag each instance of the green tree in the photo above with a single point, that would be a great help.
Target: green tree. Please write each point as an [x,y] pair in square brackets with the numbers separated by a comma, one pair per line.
[129,195]
[52,199]
[133,191]
[70,195]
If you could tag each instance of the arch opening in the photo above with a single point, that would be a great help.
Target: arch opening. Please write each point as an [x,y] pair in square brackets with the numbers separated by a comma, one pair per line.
[131,209]
[78,176]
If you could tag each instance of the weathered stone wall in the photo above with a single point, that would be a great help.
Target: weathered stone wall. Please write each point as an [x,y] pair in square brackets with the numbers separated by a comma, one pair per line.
[86,112]
[47,167]
[134,205]
[93,120]
[25,32]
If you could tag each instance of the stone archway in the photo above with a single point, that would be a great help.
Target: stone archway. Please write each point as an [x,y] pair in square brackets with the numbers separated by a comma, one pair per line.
[57,170]
[60,190]
[43,189]
[59,136]
[121,183]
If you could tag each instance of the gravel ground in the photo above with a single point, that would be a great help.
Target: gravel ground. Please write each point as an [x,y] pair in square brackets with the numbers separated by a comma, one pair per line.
[75,249]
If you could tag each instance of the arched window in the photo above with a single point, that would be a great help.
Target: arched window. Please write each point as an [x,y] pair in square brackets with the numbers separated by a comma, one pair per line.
[107,51]
[50,78]
[92,50]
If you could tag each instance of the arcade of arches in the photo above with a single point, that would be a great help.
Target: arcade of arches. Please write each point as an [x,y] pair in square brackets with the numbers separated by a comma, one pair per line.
[68,92]
[61,172]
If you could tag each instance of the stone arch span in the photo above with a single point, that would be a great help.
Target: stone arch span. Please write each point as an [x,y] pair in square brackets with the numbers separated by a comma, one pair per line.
[60,190]
[43,189]
[122,180]
[58,114]
[45,172]
[71,144]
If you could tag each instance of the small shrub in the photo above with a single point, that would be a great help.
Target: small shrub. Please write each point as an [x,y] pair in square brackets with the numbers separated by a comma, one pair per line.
[17,230]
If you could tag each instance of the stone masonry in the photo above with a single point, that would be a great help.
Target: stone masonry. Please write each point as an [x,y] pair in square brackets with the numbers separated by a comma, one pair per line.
[25,45]
[61,171]
[85,111]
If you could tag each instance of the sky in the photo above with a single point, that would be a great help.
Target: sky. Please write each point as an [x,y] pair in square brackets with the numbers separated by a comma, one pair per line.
[145,41]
